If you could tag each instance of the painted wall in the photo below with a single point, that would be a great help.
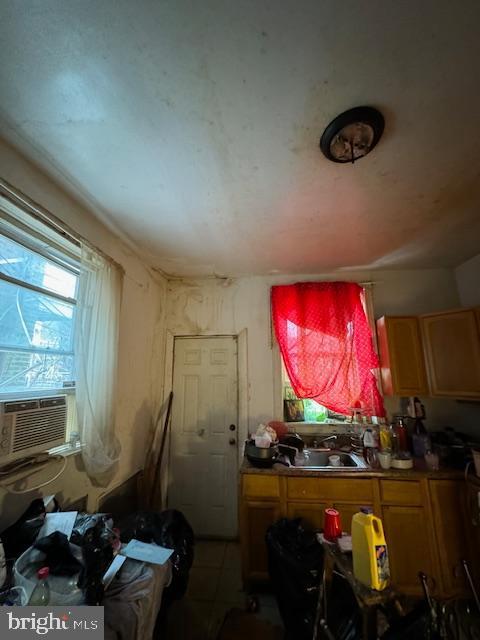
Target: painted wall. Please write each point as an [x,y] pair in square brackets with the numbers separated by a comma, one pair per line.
[468,282]
[210,307]
[141,350]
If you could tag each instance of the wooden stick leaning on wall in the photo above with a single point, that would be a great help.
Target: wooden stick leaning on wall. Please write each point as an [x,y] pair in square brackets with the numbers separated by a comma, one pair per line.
[156,484]
[146,483]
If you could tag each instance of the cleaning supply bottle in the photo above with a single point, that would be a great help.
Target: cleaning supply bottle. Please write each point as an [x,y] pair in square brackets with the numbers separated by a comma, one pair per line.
[370,558]
[41,594]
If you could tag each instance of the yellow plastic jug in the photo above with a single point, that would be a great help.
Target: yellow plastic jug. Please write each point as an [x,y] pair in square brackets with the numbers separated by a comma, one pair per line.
[370,558]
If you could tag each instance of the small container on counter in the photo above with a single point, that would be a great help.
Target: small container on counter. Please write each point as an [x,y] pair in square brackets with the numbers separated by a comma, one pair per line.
[432,460]
[385,459]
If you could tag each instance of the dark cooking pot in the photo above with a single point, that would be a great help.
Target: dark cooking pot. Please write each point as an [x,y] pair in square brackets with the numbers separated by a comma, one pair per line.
[261,456]
[265,457]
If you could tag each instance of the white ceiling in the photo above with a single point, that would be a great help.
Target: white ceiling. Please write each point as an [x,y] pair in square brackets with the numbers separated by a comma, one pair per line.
[193,126]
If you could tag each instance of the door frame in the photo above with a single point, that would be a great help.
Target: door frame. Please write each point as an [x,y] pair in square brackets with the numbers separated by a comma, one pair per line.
[242,399]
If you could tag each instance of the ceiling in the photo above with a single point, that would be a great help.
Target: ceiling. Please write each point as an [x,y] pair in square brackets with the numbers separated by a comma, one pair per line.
[193,127]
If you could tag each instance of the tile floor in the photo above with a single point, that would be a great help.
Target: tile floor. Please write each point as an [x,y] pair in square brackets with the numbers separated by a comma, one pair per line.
[215,587]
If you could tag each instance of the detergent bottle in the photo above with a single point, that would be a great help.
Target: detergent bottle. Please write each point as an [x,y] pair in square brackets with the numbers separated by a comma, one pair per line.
[370,558]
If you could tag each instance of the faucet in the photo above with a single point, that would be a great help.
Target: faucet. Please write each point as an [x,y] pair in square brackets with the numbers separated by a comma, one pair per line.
[333,438]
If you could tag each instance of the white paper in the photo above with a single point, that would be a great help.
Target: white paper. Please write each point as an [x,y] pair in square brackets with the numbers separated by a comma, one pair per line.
[62,521]
[49,503]
[146,552]
[112,570]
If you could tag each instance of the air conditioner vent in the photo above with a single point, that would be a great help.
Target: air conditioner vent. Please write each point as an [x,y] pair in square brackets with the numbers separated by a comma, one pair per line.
[39,427]
[53,402]
[32,426]
[21,405]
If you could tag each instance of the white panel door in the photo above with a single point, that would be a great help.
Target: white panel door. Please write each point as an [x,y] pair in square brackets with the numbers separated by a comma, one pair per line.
[203,446]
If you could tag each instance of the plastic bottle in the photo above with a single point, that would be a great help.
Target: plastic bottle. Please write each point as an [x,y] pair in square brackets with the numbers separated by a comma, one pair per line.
[420,439]
[401,435]
[41,593]
[385,437]
[370,558]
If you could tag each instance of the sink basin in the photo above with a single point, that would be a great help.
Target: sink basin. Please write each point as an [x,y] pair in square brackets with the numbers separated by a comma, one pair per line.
[318,459]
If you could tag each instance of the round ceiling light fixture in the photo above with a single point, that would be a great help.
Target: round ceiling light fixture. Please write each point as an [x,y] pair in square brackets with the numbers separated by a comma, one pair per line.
[352,134]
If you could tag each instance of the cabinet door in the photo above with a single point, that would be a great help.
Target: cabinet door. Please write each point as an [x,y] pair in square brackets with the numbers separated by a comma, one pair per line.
[256,518]
[312,514]
[452,348]
[409,547]
[347,511]
[450,525]
[402,364]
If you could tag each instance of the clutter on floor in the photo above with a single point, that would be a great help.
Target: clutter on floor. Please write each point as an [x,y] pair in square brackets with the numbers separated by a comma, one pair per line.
[135,568]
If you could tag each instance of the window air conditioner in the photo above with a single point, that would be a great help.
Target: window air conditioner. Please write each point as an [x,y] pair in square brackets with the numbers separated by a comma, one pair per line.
[31,426]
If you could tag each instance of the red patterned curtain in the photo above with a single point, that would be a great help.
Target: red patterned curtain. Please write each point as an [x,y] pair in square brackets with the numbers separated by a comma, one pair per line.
[326,344]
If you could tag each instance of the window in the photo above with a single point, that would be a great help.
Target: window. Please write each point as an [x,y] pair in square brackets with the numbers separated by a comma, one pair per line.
[37,315]
[326,344]
[311,410]
[59,319]
[303,410]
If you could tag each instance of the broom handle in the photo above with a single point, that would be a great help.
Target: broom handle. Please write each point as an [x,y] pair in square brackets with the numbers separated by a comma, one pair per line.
[162,447]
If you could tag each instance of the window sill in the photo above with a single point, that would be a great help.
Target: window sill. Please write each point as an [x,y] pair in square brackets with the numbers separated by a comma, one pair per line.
[36,394]
[66,450]
[313,423]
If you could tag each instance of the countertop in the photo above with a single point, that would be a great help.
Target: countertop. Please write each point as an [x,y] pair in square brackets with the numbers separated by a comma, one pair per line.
[419,471]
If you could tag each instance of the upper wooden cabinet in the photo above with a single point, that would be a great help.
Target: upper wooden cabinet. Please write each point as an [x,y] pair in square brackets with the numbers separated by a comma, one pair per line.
[452,350]
[401,356]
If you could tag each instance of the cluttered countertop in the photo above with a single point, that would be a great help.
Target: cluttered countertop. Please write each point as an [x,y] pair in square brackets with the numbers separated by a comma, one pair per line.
[419,471]
[360,449]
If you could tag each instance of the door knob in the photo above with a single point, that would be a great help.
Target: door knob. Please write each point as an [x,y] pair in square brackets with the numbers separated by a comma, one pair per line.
[232,441]
[201,432]
[232,427]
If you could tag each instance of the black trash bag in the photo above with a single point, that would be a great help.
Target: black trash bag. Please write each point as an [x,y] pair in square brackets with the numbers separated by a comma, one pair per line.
[59,558]
[295,564]
[94,534]
[177,534]
[143,526]
[86,521]
[168,529]
[22,534]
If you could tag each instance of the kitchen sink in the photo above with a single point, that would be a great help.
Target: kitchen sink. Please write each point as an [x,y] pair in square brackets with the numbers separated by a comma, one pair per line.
[318,459]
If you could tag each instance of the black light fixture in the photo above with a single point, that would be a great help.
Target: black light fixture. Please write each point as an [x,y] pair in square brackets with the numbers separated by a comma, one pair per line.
[352,134]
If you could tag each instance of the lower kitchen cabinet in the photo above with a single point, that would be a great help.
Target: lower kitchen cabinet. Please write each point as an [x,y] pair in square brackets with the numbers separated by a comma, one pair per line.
[347,511]
[425,522]
[312,514]
[409,547]
[256,517]
[450,519]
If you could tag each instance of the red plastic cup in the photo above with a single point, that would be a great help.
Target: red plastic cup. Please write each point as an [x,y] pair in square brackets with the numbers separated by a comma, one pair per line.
[332,528]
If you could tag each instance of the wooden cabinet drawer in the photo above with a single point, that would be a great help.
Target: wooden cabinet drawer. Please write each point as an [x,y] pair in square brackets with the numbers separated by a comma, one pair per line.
[330,489]
[261,486]
[401,492]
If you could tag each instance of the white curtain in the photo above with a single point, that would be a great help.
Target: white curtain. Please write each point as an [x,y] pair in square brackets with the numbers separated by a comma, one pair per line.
[96,345]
